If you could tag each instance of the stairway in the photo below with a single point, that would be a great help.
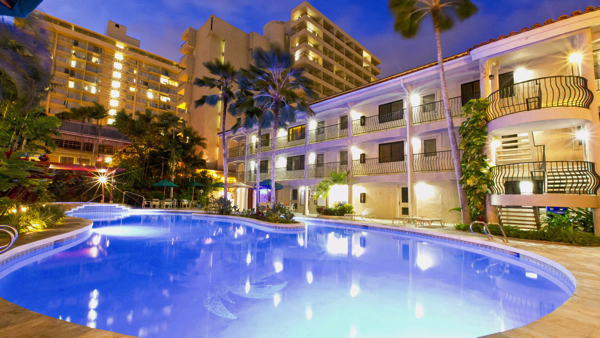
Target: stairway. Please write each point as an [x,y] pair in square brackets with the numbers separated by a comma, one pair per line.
[516,149]
[520,217]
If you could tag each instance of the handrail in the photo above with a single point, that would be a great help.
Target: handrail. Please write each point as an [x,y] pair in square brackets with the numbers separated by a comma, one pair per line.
[323,170]
[391,120]
[504,238]
[487,233]
[132,193]
[93,198]
[540,93]
[326,133]
[434,161]
[379,166]
[478,233]
[435,111]
[12,233]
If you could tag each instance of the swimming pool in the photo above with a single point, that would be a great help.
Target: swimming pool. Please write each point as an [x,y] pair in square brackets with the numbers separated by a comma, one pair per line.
[174,275]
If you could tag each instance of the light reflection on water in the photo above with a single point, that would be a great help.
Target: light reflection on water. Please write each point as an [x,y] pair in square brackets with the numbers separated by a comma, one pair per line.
[174,276]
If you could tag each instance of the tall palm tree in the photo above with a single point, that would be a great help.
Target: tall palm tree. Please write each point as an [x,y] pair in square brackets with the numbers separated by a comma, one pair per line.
[250,113]
[278,86]
[409,15]
[224,79]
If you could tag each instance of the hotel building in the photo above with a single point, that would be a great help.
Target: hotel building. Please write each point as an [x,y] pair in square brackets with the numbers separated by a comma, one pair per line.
[334,61]
[391,134]
[109,69]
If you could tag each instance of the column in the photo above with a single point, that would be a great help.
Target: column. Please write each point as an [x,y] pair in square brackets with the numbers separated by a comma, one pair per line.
[592,148]
[487,86]
[350,161]
[306,131]
[409,162]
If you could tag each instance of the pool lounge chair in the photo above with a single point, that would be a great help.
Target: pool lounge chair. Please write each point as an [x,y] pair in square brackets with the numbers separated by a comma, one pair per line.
[365,215]
[168,203]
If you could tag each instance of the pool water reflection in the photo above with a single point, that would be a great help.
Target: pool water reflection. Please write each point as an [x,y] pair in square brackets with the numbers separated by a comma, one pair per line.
[182,276]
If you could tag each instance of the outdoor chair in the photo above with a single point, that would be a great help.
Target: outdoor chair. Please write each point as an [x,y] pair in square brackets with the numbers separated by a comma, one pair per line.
[365,215]
[168,203]
[155,203]
[185,204]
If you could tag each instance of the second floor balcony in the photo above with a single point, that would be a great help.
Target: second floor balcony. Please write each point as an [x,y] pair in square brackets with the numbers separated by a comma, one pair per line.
[327,133]
[379,166]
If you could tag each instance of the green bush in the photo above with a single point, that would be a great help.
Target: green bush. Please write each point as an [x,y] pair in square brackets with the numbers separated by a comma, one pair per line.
[559,234]
[279,214]
[338,209]
[580,219]
[35,217]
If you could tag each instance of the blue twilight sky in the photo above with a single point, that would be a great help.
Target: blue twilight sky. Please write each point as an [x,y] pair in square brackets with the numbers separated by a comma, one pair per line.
[159,23]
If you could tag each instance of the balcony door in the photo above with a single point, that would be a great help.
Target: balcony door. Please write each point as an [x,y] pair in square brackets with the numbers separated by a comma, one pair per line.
[391,152]
[295,163]
[468,91]
[296,133]
[391,111]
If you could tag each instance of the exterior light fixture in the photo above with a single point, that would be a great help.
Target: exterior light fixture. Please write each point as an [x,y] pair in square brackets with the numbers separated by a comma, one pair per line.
[575,58]
[114,103]
[116,84]
[112,112]
[114,93]
[526,187]
[118,65]
[415,99]
[312,124]
[582,135]
[102,179]
[521,74]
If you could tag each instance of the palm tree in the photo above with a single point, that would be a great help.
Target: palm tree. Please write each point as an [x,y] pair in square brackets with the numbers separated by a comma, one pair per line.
[408,17]
[225,77]
[250,113]
[277,86]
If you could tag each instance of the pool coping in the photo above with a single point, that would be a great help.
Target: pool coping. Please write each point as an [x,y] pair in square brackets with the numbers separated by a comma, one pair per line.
[559,323]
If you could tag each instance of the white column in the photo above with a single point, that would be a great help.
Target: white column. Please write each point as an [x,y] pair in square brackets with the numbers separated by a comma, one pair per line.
[306,131]
[350,161]
[409,159]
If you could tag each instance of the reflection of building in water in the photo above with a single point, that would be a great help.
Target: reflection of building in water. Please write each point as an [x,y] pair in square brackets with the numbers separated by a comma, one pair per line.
[524,304]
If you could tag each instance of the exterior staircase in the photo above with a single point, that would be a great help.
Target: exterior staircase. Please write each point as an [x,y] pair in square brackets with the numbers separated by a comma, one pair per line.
[516,149]
[520,217]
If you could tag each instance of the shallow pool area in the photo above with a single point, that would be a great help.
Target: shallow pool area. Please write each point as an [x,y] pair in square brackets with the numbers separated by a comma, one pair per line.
[178,275]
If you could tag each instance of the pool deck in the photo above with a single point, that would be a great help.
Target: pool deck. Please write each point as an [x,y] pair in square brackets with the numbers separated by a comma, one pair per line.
[579,316]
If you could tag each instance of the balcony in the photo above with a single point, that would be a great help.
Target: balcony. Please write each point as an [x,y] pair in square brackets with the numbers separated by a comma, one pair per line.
[433,161]
[236,152]
[77,128]
[379,166]
[435,111]
[290,141]
[327,133]
[186,47]
[265,146]
[542,93]
[323,170]
[391,120]
[285,174]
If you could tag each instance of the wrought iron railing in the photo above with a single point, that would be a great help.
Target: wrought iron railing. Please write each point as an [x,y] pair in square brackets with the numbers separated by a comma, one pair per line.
[546,92]
[264,175]
[433,161]
[365,125]
[435,111]
[289,141]
[284,174]
[550,177]
[379,166]
[333,132]
[323,170]
[239,176]
[236,151]
[91,130]
[266,145]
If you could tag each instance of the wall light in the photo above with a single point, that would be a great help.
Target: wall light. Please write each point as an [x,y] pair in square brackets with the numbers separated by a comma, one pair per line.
[424,190]
[112,112]
[521,74]
[582,135]
[116,75]
[312,157]
[281,132]
[575,58]
[415,99]
[118,65]
[114,93]
[253,138]
[111,121]
[309,277]
[114,103]
[312,124]
[355,115]
[119,56]
[116,84]
[416,143]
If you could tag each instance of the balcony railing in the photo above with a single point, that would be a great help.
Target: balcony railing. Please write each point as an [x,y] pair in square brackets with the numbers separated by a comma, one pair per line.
[434,161]
[91,130]
[285,174]
[435,111]
[265,146]
[386,121]
[547,92]
[289,141]
[323,170]
[236,151]
[379,166]
[333,132]
[550,177]
[239,176]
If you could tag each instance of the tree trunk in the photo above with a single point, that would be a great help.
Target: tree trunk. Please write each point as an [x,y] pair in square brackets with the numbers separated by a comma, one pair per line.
[224,144]
[462,196]
[275,128]
[257,202]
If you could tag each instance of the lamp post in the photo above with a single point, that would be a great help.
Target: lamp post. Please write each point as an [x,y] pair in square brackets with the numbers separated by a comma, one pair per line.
[102,181]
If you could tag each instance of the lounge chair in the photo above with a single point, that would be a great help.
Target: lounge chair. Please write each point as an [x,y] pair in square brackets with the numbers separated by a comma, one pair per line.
[155,203]
[168,203]
[185,204]
[365,215]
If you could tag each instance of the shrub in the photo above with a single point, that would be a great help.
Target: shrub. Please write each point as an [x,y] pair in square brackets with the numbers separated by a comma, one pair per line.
[36,217]
[338,209]
[579,219]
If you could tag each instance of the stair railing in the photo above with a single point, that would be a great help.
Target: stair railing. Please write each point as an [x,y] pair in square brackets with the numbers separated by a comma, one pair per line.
[12,233]
[132,193]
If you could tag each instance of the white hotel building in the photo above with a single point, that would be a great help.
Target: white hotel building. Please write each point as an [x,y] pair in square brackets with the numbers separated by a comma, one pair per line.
[544,132]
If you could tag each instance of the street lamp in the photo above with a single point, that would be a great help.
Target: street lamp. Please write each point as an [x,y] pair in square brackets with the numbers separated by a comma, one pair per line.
[102,180]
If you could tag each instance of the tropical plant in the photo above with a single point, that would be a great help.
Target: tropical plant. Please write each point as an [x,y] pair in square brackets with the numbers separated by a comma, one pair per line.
[224,78]
[476,177]
[34,217]
[278,88]
[579,219]
[338,209]
[409,15]
[335,178]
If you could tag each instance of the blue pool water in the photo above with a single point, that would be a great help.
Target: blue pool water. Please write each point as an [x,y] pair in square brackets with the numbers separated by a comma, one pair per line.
[167,275]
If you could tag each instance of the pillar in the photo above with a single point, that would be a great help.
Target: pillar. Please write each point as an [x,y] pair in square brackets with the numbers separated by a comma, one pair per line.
[350,161]
[409,162]
[306,131]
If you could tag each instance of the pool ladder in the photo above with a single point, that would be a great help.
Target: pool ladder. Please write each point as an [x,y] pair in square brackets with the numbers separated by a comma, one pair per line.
[12,233]
[488,233]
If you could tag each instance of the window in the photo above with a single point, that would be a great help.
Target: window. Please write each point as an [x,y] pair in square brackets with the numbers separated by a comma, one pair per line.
[506,82]
[295,163]
[428,103]
[264,166]
[430,148]
[470,90]
[294,194]
[391,152]
[404,211]
[264,140]
[343,122]
[67,160]
[320,160]
[344,157]
[404,194]
[84,161]
[320,127]
[296,133]
[391,111]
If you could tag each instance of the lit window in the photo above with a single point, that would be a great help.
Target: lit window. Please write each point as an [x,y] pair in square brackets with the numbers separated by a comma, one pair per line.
[116,84]
[135,71]
[164,80]
[132,89]
[112,112]
[120,46]
[118,66]
[150,95]
[111,121]
[165,99]
[114,93]
[73,63]
[117,75]
[71,84]
[119,56]
[173,83]
[114,103]
[93,90]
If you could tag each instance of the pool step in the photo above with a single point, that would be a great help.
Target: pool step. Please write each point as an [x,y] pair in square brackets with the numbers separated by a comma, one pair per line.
[92,208]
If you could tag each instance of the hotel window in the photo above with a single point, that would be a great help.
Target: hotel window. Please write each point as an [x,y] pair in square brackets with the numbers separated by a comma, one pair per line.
[470,90]
[343,122]
[320,127]
[264,166]
[295,163]
[391,111]
[320,160]
[294,194]
[428,102]
[506,84]
[296,133]
[391,152]
[430,147]
[264,140]
[67,160]
[344,157]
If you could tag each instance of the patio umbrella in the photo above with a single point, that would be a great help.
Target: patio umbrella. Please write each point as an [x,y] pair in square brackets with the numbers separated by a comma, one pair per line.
[165,184]
[193,184]
[18,8]
[238,185]
[266,184]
